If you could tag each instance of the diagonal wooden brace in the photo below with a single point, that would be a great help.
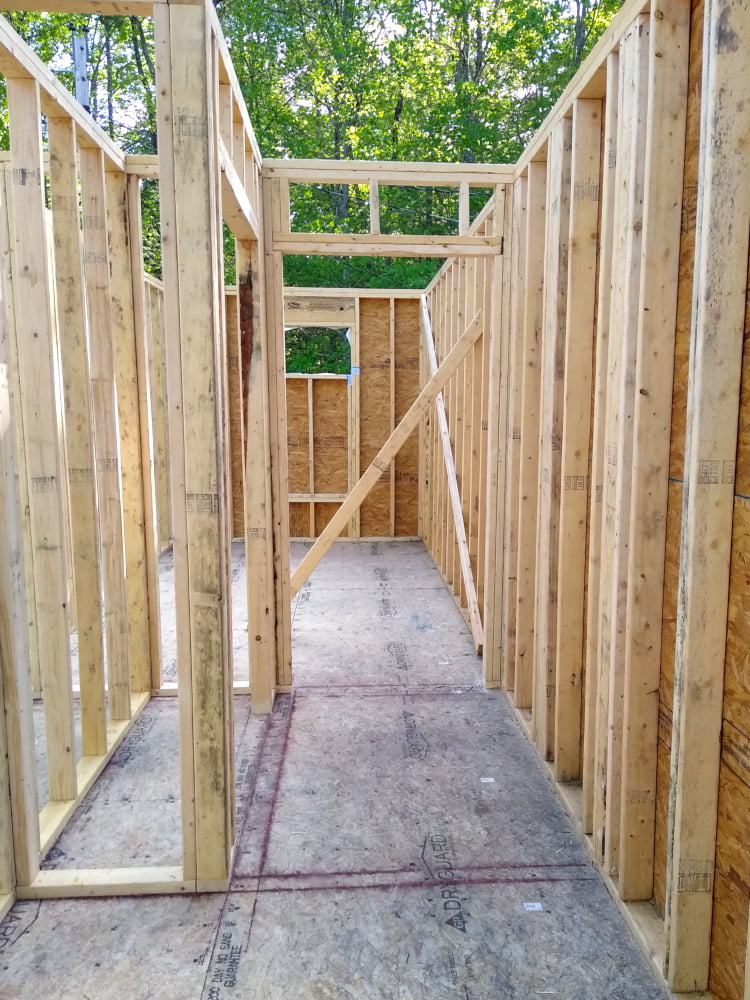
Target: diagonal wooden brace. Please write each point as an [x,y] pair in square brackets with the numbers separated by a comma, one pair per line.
[388,452]
[472,603]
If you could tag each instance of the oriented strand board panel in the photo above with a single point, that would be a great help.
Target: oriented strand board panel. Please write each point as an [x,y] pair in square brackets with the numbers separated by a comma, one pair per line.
[299,520]
[298,437]
[330,436]
[323,514]
[732,870]
[731,878]
[677,449]
[407,388]
[374,408]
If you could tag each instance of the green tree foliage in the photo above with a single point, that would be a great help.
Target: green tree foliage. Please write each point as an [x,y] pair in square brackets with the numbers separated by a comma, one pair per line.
[120,68]
[313,350]
[121,82]
[445,80]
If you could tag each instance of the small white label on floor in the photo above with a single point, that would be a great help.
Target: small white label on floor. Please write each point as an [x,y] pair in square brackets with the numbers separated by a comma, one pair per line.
[533,906]
[486,781]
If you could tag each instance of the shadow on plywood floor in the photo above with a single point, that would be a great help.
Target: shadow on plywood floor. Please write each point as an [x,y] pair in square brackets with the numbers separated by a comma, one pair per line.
[397,836]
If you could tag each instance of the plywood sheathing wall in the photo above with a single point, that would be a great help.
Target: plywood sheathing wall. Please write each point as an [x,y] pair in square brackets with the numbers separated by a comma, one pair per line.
[405,480]
[330,465]
[387,331]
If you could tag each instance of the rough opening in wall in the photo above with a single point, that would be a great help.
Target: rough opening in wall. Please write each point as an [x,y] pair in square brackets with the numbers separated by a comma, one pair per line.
[347,387]
[318,350]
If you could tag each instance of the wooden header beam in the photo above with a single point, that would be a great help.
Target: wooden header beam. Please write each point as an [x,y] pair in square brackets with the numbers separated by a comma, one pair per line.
[366,245]
[308,310]
[393,172]
[144,165]
[354,293]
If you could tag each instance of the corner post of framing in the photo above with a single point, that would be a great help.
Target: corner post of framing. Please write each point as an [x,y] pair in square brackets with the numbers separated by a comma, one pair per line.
[258,503]
[274,206]
[192,248]
[716,344]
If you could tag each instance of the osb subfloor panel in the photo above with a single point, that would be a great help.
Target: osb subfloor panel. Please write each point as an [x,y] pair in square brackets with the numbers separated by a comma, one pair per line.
[400,841]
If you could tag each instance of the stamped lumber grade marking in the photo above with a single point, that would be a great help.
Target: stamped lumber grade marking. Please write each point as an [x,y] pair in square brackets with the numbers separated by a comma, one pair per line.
[43,484]
[697,877]
[713,472]
[640,797]
[25,175]
[188,124]
[202,503]
[80,476]
[574,482]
